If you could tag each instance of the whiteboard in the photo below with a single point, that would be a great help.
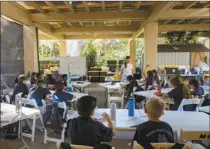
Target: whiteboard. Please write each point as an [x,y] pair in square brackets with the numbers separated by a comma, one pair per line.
[77,65]
[64,62]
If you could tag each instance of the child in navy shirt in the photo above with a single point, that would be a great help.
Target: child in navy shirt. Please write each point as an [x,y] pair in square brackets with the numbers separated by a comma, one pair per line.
[39,92]
[86,131]
[20,87]
[60,95]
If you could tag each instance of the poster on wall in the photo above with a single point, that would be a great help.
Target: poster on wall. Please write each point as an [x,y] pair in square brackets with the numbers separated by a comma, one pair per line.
[12,52]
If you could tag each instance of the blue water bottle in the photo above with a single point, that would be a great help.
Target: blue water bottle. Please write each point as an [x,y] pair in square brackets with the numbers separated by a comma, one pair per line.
[131,106]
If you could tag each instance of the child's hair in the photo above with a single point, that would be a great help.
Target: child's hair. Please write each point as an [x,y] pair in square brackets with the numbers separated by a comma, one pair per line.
[59,86]
[176,81]
[39,83]
[149,74]
[38,75]
[86,105]
[154,71]
[127,57]
[64,76]
[33,74]
[194,82]
[22,78]
[154,108]
[130,78]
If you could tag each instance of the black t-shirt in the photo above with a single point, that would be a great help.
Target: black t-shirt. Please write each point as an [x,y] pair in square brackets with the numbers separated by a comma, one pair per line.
[85,131]
[177,95]
[153,132]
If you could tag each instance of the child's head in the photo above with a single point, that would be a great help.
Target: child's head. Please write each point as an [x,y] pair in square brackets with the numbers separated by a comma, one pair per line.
[154,108]
[59,86]
[86,106]
[49,76]
[22,78]
[154,72]
[176,82]
[64,77]
[33,74]
[40,83]
[39,76]
[194,84]
[130,78]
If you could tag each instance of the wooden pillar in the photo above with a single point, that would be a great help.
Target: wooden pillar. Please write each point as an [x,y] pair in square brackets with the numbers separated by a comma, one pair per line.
[150,45]
[132,45]
[62,48]
[30,49]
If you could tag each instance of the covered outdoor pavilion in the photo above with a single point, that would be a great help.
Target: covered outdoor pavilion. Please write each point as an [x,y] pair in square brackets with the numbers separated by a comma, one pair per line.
[68,20]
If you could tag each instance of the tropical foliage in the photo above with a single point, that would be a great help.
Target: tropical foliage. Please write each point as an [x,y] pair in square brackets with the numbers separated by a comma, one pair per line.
[48,49]
[181,37]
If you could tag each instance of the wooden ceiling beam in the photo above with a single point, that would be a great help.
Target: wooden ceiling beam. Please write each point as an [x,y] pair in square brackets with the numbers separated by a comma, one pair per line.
[185,14]
[103,5]
[191,4]
[69,6]
[101,36]
[93,23]
[158,9]
[120,5]
[64,30]
[193,21]
[183,27]
[37,6]
[86,6]
[138,5]
[51,4]
[70,24]
[81,16]
[81,24]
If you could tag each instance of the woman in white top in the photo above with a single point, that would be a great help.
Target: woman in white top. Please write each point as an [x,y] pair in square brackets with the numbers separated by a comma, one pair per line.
[126,69]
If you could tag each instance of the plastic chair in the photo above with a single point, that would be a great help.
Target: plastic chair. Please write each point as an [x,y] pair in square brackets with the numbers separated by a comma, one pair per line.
[160,146]
[184,102]
[116,99]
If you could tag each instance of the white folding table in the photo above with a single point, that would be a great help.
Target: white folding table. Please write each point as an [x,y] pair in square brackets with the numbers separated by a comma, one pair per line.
[151,93]
[81,85]
[9,114]
[205,109]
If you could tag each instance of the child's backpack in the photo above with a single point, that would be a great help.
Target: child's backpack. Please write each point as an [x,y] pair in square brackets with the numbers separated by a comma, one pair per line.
[52,118]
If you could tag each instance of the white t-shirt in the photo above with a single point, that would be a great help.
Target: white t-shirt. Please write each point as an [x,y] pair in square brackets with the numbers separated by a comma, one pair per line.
[127,70]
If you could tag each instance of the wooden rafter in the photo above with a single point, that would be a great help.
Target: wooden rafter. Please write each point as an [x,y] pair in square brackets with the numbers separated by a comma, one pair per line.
[120,5]
[180,21]
[166,22]
[103,5]
[205,21]
[97,16]
[51,4]
[81,24]
[86,6]
[193,21]
[37,6]
[69,6]
[129,23]
[137,5]
[117,23]
[70,24]
[19,6]
[101,36]
[93,23]
[191,4]
[207,5]
[95,29]
[158,9]
[104,23]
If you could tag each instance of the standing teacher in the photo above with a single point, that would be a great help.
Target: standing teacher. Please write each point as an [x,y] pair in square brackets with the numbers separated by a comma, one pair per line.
[126,69]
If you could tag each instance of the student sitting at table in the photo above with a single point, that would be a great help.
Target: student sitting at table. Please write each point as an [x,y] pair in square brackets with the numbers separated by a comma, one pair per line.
[197,91]
[64,79]
[133,86]
[155,76]
[154,130]
[33,78]
[50,80]
[179,92]
[39,92]
[149,80]
[84,130]
[60,95]
[20,87]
